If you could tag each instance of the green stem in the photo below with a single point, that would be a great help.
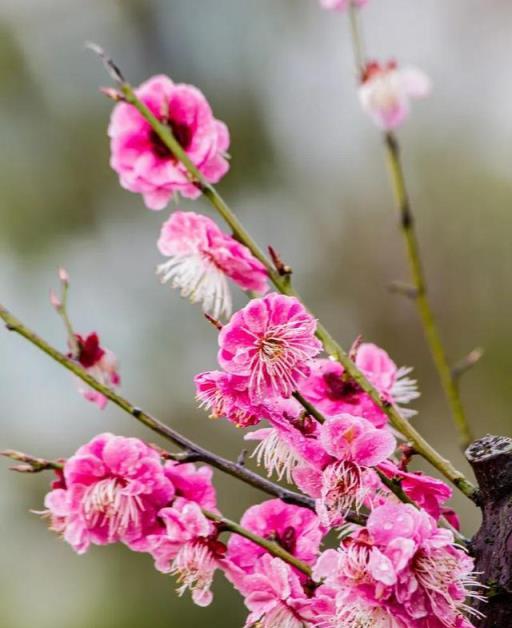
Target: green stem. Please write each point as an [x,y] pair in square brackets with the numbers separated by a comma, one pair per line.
[309,407]
[355,32]
[63,311]
[430,328]
[270,546]
[284,285]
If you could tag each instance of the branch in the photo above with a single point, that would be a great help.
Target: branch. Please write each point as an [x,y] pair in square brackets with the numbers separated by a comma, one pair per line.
[199,453]
[430,328]
[467,362]
[270,546]
[284,285]
[30,464]
[35,465]
[403,204]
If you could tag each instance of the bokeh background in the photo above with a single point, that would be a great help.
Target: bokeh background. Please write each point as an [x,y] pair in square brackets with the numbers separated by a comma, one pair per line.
[307,176]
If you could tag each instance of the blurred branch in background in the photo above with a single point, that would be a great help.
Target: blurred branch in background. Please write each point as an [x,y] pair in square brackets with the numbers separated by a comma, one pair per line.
[419,292]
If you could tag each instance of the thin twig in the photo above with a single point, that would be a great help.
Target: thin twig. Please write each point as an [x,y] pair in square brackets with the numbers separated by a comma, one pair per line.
[309,407]
[272,547]
[430,328]
[467,362]
[403,204]
[30,464]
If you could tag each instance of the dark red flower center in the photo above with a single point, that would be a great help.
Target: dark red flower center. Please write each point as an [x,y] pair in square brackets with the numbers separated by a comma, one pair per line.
[181,132]
[338,388]
[374,68]
[90,351]
[287,539]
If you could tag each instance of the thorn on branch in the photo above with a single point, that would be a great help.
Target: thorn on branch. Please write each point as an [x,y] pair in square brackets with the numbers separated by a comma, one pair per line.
[467,363]
[186,456]
[242,456]
[112,69]
[283,269]
[352,354]
[216,323]
[405,289]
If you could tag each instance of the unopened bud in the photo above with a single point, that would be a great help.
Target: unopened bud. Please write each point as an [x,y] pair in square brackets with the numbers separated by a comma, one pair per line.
[22,468]
[63,275]
[55,301]
[112,93]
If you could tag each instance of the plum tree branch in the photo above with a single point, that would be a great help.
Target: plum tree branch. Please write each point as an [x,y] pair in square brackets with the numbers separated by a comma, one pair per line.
[430,328]
[284,285]
[419,293]
[200,453]
[32,464]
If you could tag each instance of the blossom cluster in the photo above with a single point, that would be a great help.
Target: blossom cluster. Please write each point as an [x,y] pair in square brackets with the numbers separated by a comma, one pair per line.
[401,568]
[395,564]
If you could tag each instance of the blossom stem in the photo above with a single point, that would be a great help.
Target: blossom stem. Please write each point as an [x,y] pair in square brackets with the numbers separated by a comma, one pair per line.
[272,547]
[31,464]
[355,32]
[284,285]
[62,310]
[430,327]
[199,453]
[309,407]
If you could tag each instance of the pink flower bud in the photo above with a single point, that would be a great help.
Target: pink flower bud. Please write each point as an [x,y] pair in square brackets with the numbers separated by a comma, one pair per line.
[55,301]
[112,93]
[63,275]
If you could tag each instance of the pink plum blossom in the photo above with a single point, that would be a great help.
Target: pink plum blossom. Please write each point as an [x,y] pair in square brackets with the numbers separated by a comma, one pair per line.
[427,492]
[341,5]
[202,258]
[112,490]
[292,439]
[270,341]
[187,548]
[226,395]
[193,483]
[404,562]
[333,393]
[275,597]
[355,446]
[353,610]
[386,91]
[297,530]
[142,160]
[284,447]
[98,362]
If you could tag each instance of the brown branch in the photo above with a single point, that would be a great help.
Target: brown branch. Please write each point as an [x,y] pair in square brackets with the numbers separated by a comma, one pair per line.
[491,459]
[35,465]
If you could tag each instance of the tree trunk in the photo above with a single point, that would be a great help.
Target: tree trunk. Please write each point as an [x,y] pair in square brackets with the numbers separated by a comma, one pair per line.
[491,459]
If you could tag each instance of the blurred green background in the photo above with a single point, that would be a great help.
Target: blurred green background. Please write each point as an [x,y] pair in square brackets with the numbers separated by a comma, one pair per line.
[307,176]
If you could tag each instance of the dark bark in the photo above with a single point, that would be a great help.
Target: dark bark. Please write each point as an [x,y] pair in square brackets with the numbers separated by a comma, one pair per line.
[491,459]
